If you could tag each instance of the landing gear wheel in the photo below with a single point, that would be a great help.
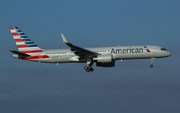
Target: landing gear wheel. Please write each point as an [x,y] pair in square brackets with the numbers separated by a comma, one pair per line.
[151,66]
[91,69]
[85,67]
[88,70]
[152,62]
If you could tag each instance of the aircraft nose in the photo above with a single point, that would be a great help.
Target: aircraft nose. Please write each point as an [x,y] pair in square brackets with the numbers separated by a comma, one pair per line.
[169,54]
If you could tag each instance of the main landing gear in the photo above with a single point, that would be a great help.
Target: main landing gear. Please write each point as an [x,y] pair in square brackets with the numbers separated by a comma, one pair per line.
[152,62]
[89,68]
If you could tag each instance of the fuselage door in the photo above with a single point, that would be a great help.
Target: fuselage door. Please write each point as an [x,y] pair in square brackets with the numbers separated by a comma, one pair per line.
[154,49]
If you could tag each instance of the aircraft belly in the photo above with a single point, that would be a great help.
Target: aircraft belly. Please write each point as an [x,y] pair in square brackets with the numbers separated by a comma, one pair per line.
[126,56]
[134,56]
[46,60]
[60,58]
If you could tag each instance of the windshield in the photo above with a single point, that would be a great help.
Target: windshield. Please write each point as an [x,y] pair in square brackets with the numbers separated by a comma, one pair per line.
[164,49]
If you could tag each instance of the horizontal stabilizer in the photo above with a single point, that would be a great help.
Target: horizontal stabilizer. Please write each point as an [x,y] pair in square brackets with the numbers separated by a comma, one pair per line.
[19,53]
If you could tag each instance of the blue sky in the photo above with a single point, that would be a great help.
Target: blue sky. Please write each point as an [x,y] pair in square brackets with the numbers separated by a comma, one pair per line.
[129,87]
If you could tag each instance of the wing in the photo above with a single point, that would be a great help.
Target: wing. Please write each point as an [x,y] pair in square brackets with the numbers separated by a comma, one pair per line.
[81,52]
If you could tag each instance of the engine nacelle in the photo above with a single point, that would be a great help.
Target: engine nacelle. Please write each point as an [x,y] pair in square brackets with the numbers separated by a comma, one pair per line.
[111,64]
[104,58]
[15,56]
[104,61]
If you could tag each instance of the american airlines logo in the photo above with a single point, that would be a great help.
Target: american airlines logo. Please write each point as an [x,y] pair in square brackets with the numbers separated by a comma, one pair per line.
[130,50]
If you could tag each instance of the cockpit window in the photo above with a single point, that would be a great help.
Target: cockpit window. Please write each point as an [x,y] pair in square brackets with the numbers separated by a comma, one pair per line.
[164,49]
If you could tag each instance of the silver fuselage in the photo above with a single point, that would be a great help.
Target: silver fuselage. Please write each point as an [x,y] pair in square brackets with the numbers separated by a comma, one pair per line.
[118,53]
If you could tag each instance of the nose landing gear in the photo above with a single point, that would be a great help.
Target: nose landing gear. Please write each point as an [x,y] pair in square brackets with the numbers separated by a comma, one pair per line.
[152,62]
[151,66]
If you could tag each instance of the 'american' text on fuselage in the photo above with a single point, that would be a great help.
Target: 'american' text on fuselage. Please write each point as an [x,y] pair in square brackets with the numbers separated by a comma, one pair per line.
[130,50]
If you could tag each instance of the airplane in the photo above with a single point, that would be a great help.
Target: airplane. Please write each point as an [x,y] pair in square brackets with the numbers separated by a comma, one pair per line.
[102,56]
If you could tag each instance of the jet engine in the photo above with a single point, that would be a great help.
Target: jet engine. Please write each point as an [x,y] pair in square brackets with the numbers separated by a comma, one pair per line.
[104,61]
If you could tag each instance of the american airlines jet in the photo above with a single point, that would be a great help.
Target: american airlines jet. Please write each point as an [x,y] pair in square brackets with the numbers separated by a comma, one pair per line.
[102,56]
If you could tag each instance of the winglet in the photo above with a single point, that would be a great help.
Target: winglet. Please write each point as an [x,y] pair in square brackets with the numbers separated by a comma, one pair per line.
[64,39]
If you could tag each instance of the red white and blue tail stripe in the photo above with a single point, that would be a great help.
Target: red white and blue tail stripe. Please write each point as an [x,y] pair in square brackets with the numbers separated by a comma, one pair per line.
[28,50]
[24,44]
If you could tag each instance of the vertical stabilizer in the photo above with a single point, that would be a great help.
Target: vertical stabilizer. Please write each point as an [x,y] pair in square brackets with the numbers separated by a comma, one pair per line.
[24,44]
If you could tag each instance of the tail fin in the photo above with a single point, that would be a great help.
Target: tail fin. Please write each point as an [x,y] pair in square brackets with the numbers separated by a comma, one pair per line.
[24,44]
